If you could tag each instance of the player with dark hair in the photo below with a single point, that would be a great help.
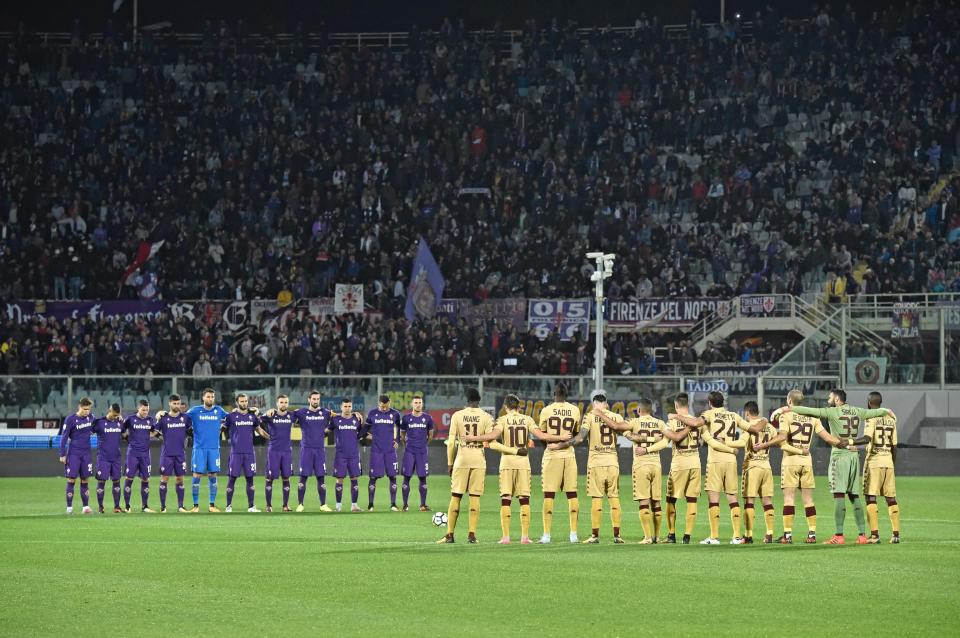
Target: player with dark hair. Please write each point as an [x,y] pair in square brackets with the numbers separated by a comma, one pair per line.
[880,436]
[348,427]
[278,425]
[314,423]
[174,428]
[684,478]
[558,421]
[138,429]
[466,464]
[109,463]
[416,432]
[382,428]
[240,426]
[77,429]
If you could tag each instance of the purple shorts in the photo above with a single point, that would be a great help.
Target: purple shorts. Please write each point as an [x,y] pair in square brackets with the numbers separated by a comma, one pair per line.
[415,461]
[138,464]
[241,464]
[343,466]
[108,470]
[78,465]
[279,463]
[173,465]
[313,462]
[383,463]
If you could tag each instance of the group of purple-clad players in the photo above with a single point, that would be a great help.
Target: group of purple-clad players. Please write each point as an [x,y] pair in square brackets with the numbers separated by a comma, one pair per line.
[384,429]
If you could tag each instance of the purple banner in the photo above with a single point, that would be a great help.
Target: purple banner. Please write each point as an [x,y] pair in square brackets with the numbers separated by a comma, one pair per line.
[511,311]
[22,311]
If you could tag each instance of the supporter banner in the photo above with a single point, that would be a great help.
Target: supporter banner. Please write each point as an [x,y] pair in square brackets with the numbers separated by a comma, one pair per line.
[708,385]
[348,299]
[662,312]
[906,321]
[566,317]
[743,380]
[94,310]
[234,314]
[866,370]
[951,314]
[757,305]
[260,398]
[510,310]
[441,422]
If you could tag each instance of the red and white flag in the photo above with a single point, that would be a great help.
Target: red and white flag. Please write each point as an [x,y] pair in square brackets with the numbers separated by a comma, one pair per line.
[348,299]
[145,253]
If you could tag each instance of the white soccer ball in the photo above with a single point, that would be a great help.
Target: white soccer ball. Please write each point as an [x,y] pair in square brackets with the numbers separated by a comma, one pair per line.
[440,519]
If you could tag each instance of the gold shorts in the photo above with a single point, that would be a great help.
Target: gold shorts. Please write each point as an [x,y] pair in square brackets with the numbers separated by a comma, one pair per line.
[684,483]
[879,481]
[559,475]
[797,476]
[603,481]
[515,482]
[467,480]
[722,477]
[758,481]
[646,482]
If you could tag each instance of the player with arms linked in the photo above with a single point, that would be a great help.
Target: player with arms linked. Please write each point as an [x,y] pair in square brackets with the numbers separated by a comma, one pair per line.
[416,431]
[381,430]
[174,428]
[77,462]
[109,430]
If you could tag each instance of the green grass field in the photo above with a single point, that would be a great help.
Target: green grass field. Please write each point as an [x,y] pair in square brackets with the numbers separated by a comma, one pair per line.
[381,573]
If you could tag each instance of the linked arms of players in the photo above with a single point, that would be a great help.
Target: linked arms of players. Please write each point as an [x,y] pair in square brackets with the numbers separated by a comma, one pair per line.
[492,437]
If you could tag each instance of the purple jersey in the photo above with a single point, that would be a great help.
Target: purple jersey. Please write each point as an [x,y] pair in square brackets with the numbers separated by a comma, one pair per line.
[313,426]
[382,425]
[108,439]
[348,436]
[138,433]
[240,427]
[417,429]
[174,430]
[278,427]
[76,430]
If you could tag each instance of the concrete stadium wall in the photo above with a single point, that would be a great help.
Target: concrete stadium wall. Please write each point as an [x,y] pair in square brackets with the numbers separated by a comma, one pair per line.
[910,461]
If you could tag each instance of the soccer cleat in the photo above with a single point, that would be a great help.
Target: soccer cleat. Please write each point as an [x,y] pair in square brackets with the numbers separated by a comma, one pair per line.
[655,540]
[447,539]
[836,539]
[472,540]
[182,510]
[86,510]
[544,540]
[736,541]
[648,541]
[394,508]
[786,539]
[811,539]
[69,510]
[671,539]
[229,509]
[894,540]
[405,508]
[252,510]
[163,510]
[268,509]
[147,510]
[618,541]
[355,508]
[525,540]
[710,541]
[287,509]
[126,510]
[195,509]
[117,510]
[685,540]
[326,508]
[370,508]
[300,507]
[873,540]
[593,540]
[100,510]
[574,538]
[213,509]
[504,541]
[861,539]
[767,539]
[339,507]
[424,508]
[747,540]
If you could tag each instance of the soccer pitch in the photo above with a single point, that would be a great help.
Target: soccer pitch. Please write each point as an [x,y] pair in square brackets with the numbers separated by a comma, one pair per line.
[381,573]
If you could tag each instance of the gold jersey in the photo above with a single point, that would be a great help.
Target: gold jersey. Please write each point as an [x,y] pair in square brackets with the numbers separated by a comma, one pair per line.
[602,439]
[800,431]
[882,431]
[686,451]
[472,421]
[722,425]
[515,433]
[557,419]
[762,458]
[651,428]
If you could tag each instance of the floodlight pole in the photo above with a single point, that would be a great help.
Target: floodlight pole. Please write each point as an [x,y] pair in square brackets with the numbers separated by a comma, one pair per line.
[604,270]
